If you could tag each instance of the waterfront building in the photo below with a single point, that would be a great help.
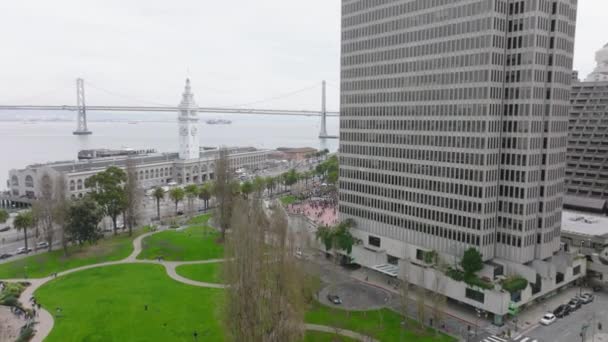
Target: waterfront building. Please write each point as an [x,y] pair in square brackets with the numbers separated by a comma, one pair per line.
[453,131]
[191,165]
[587,157]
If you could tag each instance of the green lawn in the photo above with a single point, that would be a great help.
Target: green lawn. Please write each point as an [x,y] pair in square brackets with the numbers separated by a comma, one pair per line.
[208,273]
[41,265]
[108,304]
[384,324]
[197,242]
[314,336]
[288,199]
[91,314]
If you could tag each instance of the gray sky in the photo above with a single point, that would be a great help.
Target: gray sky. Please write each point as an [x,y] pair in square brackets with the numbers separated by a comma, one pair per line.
[236,52]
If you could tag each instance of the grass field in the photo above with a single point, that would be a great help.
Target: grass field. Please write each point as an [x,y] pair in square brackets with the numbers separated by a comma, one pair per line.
[175,311]
[314,336]
[42,265]
[197,242]
[108,304]
[288,199]
[384,324]
[208,273]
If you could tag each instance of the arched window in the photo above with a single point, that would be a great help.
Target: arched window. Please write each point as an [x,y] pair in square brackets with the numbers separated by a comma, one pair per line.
[141,175]
[157,173]
[29,181]
[15,181]
[147,174]
[79,184]
[72,185]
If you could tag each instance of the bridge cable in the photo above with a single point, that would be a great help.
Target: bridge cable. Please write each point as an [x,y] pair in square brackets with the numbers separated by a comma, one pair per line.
[278,97]
[130,98]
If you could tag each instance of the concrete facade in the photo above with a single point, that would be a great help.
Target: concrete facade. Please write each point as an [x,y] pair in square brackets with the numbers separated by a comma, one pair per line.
[587,157]
[453,133]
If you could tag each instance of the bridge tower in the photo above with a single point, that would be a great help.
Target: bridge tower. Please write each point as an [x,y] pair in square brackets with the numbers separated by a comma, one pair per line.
[81,119]
[323,133]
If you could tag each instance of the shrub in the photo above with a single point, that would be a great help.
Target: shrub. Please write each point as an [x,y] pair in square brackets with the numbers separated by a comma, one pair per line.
[471,261]
[514,284]
[455,274]
[26,334]
[473,280]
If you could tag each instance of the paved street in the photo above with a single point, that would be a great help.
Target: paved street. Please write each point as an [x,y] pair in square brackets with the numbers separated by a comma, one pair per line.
[568,329]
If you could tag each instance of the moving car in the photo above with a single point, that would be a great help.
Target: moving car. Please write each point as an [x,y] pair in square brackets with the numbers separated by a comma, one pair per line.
[5,256]
[334,299]
[561,311]
[42,244]
[548,319]
[22,250]
[5,229]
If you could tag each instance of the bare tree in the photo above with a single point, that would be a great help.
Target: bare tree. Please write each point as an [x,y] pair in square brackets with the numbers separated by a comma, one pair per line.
[265,299]
[421,294]
[60,210]
[134,195]
[223,190]
[43,209]
[438,299]
[404,300]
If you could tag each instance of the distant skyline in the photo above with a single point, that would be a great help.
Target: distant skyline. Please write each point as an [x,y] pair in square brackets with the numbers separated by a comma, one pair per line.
[237,52]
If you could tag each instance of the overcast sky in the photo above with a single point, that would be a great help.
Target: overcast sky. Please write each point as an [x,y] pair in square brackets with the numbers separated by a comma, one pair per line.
[237,52]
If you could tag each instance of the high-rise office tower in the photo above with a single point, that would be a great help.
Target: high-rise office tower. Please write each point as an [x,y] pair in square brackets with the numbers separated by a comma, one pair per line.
[453,126]
[587,157]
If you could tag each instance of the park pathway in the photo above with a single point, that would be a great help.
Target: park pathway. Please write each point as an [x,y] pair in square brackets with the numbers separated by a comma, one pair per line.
[45,320]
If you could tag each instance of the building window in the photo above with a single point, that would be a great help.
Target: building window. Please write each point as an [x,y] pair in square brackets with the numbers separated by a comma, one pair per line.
[475,295]
[15,181]
[392,260]
[576,270]
[29,181]
[559,277]
[373,241]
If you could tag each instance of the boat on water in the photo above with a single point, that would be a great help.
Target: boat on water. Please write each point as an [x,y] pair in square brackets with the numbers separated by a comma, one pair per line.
[218,122]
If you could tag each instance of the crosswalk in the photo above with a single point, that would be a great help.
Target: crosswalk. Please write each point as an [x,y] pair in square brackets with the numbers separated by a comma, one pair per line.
[519,338]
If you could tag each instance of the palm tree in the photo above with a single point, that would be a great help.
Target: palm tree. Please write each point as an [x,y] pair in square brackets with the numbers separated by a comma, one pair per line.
[205,194]
[23,221]
[270,184]
[246,189]
[159,194]
[191,192]
[177,195]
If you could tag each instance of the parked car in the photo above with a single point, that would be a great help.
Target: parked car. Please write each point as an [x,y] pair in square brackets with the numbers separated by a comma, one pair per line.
[586,298]
[180,213]
[548,319]
[334,299]
[22,250]
[5,256]
[597,288]
[42,244]
[5,229]
[575,304]
[561,311]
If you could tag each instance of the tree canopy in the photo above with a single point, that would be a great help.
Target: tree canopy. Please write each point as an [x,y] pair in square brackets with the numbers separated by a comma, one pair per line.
[83,220]
[3,216]
[471,261]
[108,191]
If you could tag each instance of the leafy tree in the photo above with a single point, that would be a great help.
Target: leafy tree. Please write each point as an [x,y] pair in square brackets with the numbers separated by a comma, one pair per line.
[177,195]
[471,261]
[191,191]
[343,239]
[133,196]
[3,216]
[108,191]
[290,177]
[205,193]
[246,189]
[259,184]
[83,219]
[325,235]
[159,194]
[24,221]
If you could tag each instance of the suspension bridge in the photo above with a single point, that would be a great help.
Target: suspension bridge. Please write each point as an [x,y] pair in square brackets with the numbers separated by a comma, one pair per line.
[82,108]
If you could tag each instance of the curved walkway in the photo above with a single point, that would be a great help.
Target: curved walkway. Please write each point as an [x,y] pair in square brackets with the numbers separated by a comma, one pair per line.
[347,333]
[45,320]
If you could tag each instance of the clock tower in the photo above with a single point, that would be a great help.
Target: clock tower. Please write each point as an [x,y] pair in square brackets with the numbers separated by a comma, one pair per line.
[188,126]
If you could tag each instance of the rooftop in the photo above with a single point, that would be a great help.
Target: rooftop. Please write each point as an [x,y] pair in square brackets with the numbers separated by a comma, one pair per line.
[583,223]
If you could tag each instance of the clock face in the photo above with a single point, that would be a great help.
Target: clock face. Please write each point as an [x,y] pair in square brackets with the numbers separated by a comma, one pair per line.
[194,131]
[183,131]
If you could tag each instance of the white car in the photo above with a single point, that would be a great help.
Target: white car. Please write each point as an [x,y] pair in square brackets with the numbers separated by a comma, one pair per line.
[548,319]
[42,244]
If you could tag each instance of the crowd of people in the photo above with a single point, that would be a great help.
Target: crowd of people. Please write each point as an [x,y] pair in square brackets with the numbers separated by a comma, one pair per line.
[319,205]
